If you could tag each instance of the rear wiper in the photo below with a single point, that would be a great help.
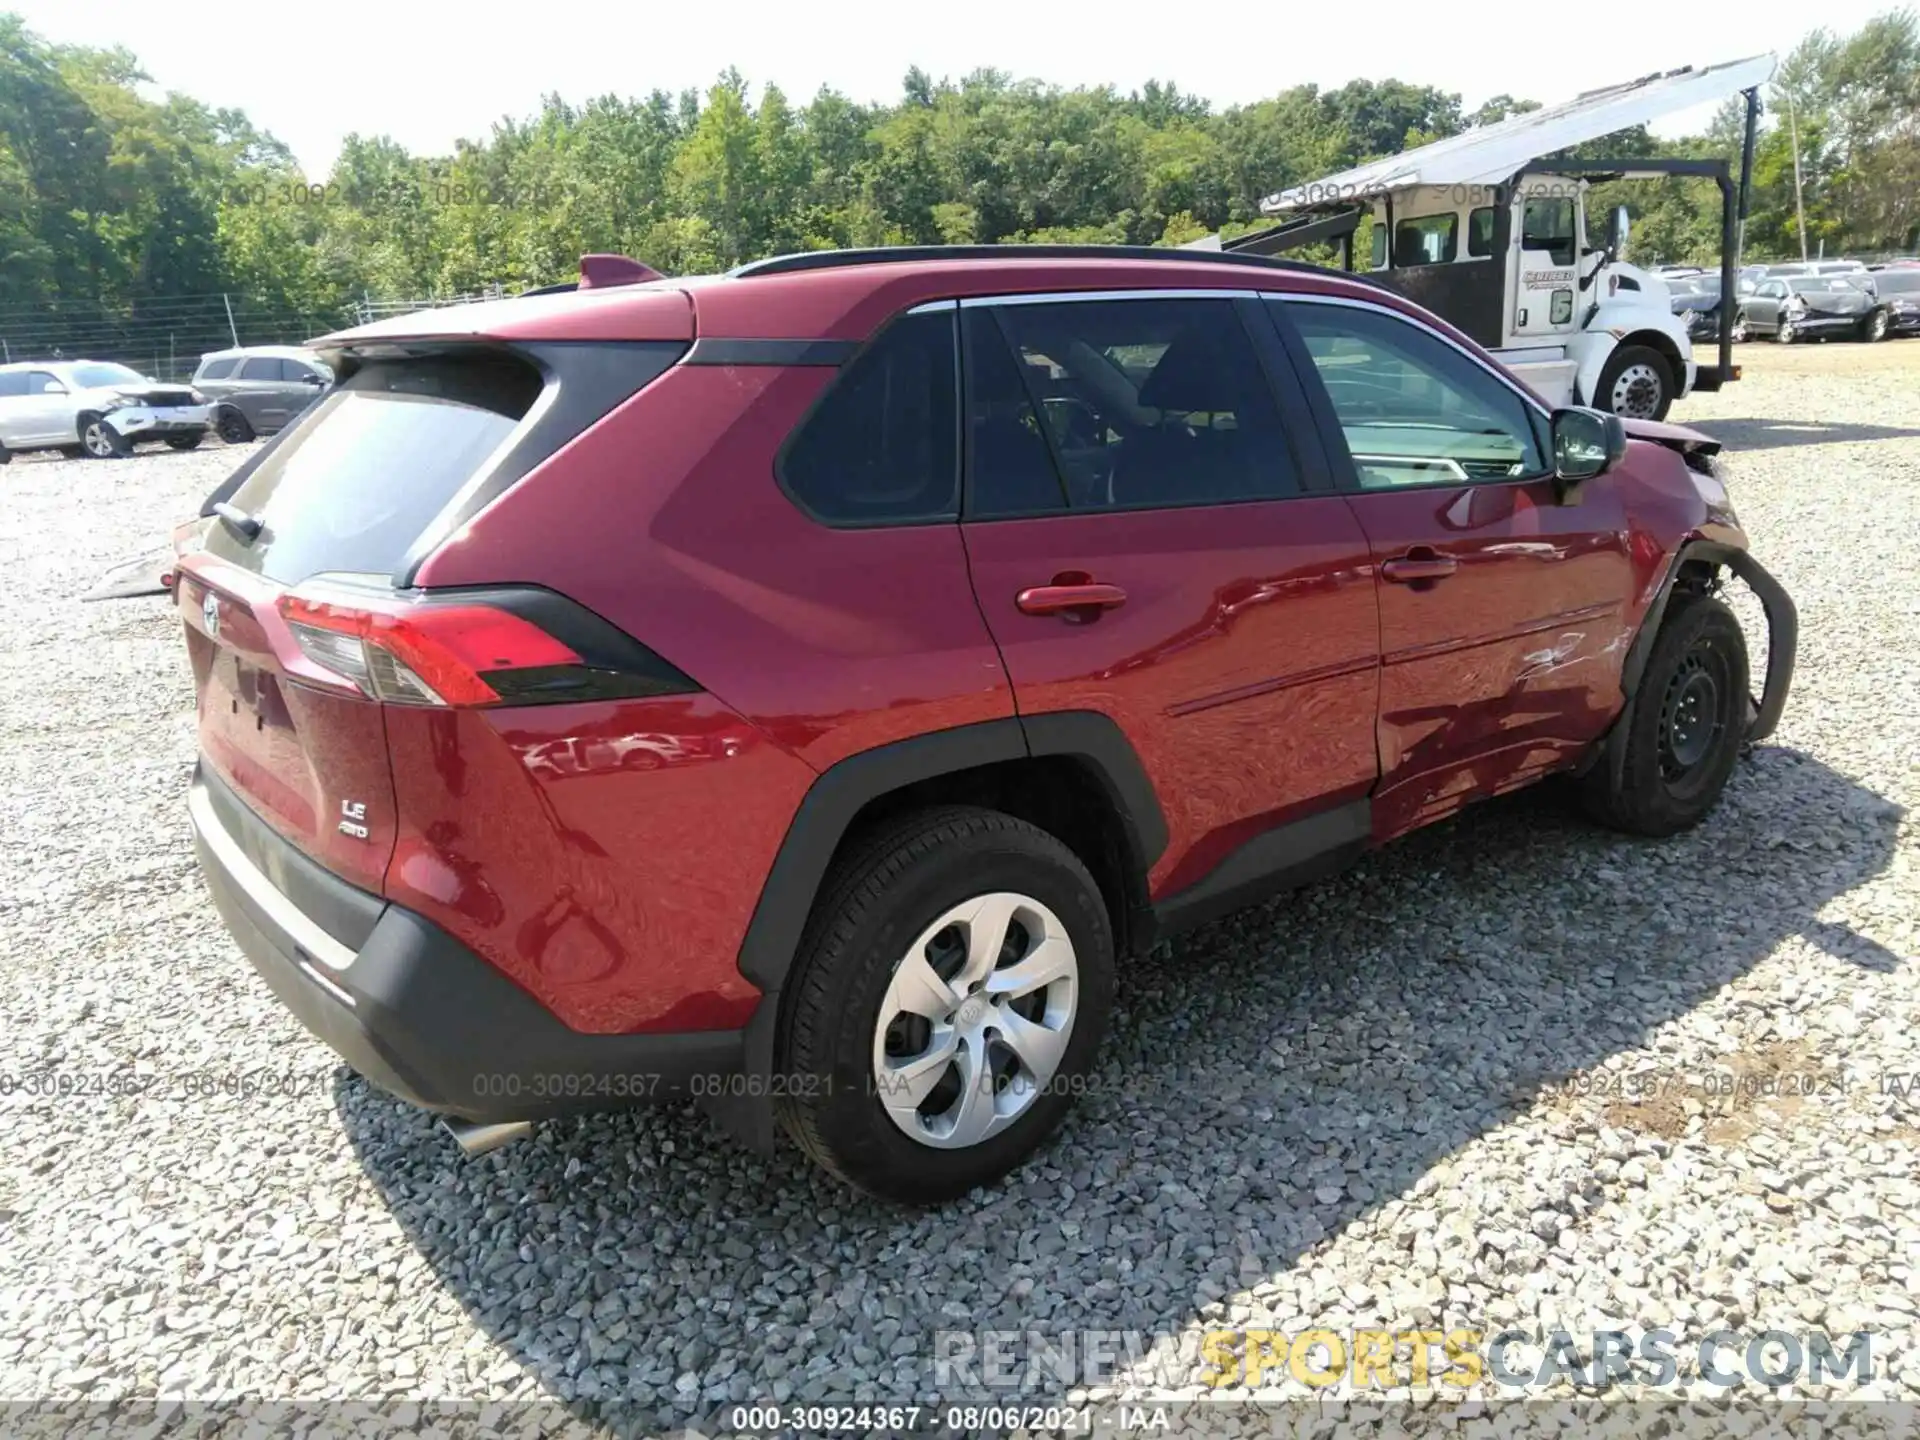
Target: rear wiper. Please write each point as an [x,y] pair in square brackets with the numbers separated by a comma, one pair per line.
[245,526]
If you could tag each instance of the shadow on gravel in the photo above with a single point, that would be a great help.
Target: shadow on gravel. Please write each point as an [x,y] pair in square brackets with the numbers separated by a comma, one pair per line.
[1268,1082]
[1749,434]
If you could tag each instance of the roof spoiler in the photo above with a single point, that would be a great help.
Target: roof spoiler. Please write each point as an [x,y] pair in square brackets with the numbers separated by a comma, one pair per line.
[599,272]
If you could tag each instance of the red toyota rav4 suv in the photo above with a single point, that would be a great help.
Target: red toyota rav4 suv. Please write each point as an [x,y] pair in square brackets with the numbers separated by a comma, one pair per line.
[793,688]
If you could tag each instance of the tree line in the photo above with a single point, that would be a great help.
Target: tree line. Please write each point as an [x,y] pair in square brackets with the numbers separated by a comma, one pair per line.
[111,200]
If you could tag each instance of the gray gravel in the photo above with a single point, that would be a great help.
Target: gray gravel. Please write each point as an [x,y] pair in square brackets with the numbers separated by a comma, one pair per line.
[1473,1083]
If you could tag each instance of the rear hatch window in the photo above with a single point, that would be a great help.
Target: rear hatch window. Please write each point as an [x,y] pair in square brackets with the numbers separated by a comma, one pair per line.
[367,472]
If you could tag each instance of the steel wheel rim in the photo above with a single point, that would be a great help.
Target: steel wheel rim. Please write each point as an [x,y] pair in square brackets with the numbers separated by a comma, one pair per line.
[976,1020]
[1691,718]
[1636,391]
[96,440]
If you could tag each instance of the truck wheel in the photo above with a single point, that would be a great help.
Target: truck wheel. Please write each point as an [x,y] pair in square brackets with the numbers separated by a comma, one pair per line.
[951,989]
[100,440]
[1689,721]
[1636,384]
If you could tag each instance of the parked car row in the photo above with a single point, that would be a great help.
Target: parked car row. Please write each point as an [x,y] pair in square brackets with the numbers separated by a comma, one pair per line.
[1804,303]
[102,409]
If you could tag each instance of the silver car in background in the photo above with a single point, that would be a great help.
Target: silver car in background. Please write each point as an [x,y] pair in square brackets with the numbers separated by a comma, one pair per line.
[257,389]
[95,408]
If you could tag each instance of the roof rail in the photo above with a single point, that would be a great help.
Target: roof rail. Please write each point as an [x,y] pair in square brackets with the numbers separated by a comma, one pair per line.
[907,254]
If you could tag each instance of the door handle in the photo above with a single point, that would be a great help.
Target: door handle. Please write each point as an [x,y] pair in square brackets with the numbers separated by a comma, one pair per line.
[1418,564]
[1071,602]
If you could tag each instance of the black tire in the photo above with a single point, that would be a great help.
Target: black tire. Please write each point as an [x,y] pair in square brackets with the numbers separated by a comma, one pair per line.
[1688,726]
[1875,329]
[187,441]
[232,427]
[100,441]
[1650,393]
[6,455]
[874,904]
[1741,334]
[1784,333]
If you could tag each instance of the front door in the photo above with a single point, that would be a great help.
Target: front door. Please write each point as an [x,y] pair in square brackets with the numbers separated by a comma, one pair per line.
[1502,611]
[1546,260]
[1150,539]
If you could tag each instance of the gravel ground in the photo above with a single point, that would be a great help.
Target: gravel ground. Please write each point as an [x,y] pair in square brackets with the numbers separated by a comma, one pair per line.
[1477,1082]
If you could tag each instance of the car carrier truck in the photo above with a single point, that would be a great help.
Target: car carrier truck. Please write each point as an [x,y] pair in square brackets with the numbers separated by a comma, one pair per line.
[1490,230]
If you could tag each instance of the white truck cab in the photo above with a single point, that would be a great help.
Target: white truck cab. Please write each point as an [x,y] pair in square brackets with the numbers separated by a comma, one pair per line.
[1576,322]
[1489,230]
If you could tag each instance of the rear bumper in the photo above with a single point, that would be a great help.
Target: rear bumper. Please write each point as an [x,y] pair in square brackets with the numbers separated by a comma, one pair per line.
[413,1010]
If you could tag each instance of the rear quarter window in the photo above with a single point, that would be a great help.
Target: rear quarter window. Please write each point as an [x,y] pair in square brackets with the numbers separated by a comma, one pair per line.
[880,447]
[366,471]
[215,369]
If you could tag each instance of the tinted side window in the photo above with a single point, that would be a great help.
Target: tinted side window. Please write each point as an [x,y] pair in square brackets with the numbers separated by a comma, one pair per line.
[1480,231]
[1148,403]
[1430,240]
[13,385]
[1413,409]
[880,447]
[216,369]
[39,382]
[1008,457]
[260,367]
[1548,225]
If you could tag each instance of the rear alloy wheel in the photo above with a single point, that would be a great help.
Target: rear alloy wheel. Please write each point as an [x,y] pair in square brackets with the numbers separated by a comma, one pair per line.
[233,428]
[1688,723]
[946,1005]
[1636,384]
[1876,326]
[100,440]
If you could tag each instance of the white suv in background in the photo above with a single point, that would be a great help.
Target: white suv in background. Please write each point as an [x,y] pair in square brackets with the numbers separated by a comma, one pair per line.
[94,407]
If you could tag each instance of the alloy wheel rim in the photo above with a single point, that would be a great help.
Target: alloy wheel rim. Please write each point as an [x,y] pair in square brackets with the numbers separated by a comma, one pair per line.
[1636,392]
[976,1020]
[96,440]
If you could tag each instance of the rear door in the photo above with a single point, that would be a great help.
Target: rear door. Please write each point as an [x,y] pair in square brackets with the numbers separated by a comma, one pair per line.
[1151,538]
[261,391]
[1503,613]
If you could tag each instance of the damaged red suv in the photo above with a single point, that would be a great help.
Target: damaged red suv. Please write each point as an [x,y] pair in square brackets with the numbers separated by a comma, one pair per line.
[792,689]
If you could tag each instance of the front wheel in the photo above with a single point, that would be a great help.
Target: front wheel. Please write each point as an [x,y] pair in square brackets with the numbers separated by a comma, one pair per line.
[1636,384]
[949,996]
[233,428]
[1876,327]
[1689,721]
[1786,334]
[100,440]
[187,441]
[1740,332]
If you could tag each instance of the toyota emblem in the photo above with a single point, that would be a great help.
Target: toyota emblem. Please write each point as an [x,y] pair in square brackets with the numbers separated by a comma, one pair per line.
[210,613]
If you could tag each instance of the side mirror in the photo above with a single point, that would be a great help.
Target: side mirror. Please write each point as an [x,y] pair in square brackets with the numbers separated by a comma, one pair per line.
[313,377]
[1617,230]
[1586,443]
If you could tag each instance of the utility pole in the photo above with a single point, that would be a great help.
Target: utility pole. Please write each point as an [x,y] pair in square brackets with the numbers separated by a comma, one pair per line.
[1799,209]
[235,334]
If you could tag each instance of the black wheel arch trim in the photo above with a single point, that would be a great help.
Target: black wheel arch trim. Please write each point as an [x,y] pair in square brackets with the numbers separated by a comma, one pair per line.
[828,811]
[1783,639]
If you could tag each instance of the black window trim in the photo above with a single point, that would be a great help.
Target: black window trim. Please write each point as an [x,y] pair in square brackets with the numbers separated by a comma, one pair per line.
[844,368]
[1305,447]
[1333,436]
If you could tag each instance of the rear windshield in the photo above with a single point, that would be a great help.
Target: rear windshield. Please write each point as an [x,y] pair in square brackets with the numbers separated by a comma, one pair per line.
[366,472]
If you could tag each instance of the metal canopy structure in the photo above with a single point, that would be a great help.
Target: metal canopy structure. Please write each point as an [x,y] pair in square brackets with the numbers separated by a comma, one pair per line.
[1495,154]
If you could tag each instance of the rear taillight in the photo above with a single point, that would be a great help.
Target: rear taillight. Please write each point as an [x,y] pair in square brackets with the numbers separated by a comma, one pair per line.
[475,650]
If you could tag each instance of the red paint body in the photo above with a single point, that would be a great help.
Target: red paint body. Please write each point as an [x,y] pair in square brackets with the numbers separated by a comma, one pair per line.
[608,856]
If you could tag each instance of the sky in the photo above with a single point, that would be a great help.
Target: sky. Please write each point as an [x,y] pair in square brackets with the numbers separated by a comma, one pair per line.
[427,74]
